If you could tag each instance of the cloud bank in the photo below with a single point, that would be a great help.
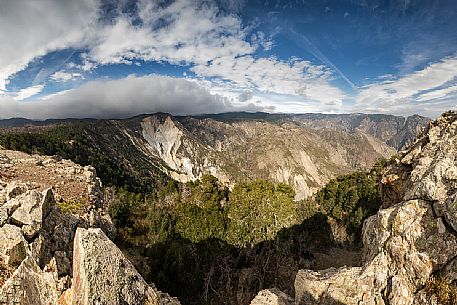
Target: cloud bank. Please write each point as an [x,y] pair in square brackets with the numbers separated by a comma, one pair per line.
[123,98]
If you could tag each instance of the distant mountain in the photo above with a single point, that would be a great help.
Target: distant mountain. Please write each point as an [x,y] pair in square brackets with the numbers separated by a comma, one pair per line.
[395,131]
[303,150]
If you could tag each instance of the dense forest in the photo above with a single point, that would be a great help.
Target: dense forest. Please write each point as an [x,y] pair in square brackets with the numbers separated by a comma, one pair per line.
[207,244]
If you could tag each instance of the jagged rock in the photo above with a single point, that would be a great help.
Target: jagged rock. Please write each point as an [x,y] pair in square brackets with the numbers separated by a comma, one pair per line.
[102,275]
[30,285]
[412,237]
[3,216]
[272,297]
[11,206]
[12,245]
[15,189]
[34,208]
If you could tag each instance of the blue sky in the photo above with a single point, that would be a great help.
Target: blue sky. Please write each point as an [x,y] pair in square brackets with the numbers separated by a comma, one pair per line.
[109,59]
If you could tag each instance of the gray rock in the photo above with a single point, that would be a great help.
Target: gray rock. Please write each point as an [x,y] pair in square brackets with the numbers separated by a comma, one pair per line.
[30,285]
[63,264]
[102,275]
[34,208]
[12,245]
[272,297]
[15,189]
[3,216]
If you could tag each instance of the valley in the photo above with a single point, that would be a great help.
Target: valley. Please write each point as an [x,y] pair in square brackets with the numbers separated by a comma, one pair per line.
[246,190]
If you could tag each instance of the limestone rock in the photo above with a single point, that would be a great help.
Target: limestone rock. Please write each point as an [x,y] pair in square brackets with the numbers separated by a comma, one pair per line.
[272,297]
[34,208]
[30,285]
[3,216]
[15,189]
[12,245]
[101,274]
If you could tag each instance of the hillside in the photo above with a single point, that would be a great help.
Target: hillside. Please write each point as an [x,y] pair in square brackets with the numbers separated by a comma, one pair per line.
[305,151]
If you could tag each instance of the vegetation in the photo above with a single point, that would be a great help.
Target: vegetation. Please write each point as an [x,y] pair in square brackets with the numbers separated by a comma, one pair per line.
[350,199]
[444,290]
[202,242]
[74,206]
[207,245]
[258,210]
[89,143]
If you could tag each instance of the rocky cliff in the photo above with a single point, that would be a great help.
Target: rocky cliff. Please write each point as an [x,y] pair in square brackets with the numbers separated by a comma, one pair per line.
[413,237]
[55,245]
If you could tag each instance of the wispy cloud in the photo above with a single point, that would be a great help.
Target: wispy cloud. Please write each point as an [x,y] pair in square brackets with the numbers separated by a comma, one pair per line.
[27,92]
[415,90]
[61,76]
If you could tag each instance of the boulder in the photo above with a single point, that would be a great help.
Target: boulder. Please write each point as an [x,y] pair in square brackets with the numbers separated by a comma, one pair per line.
[15,189]
[34,208]
[12,245]
[272,297]
[102,275]
[30,285]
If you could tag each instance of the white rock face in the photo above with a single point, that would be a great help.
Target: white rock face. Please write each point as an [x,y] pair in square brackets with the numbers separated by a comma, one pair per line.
[411,238]
[164,141]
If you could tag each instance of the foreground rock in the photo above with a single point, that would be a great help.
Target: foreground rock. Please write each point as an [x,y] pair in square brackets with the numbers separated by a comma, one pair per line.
[410,239]
[48,252]
[102,274]
[272,297]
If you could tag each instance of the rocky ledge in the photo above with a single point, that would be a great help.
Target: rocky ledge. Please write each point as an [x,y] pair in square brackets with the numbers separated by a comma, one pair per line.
[412,238]
[55,245]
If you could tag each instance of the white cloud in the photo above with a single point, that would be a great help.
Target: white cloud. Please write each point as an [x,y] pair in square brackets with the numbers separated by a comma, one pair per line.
[123,98]
[31,29]
[437,94]
[293,77]
[181,32]
[28,92]
[62,76]
[412,90]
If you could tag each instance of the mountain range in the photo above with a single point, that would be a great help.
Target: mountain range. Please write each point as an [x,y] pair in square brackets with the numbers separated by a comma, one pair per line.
[302,150]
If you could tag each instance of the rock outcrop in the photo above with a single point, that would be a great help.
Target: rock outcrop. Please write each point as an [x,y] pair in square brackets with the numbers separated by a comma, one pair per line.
[54,238]
[272,297]
[100,270]
[412,237]
[411,240]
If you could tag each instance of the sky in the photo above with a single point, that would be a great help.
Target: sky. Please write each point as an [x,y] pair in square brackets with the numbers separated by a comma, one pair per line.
[116,59]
